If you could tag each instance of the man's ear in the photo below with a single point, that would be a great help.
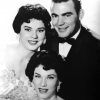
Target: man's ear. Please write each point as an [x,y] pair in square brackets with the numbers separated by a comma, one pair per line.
[81,14]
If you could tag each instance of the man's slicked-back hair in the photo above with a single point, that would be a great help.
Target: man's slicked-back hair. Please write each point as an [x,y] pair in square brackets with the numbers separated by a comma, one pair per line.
[77,4]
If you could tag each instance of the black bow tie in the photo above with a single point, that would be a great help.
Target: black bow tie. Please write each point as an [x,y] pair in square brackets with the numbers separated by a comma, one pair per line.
[68,40]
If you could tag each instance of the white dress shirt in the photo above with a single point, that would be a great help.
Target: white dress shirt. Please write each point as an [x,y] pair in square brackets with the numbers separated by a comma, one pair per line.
[64,48]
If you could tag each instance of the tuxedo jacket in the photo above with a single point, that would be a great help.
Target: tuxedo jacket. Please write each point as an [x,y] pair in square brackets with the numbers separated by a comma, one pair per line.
[81,65]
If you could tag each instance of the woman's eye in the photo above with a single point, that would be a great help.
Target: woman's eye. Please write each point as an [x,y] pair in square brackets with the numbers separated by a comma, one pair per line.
[50,77]
[37,76]
[28,29]
[42,30]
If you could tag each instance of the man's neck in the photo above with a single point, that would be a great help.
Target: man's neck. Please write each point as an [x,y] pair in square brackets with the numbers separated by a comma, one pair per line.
[76,29]
[77,33]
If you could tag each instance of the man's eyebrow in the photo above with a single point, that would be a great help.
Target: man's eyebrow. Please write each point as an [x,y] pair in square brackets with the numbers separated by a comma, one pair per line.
[67,13]
[63,14]
[54,14]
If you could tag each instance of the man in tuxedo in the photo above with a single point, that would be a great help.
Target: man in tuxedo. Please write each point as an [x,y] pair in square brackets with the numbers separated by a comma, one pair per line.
[78,48]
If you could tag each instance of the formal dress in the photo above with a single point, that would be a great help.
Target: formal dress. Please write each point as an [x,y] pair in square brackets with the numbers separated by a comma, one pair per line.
[13,84]
[81,64]
[13,87]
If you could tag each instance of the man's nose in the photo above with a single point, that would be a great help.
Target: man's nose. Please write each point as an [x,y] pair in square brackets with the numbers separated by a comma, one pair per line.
[61,21]
[44,83]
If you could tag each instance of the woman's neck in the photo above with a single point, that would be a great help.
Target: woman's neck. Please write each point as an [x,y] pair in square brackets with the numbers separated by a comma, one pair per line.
[25,53]
[51,98]
[23,56]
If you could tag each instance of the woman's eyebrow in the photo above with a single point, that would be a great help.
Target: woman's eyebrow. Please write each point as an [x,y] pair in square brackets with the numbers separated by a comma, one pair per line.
[52,75]
[27,27]
[36,73]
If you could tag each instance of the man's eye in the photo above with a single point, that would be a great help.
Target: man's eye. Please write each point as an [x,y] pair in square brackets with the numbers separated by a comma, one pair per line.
[68,15]
[54,16]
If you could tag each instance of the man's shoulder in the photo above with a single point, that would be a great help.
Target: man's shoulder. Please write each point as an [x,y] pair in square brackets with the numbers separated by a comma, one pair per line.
[88,34]
[89,39]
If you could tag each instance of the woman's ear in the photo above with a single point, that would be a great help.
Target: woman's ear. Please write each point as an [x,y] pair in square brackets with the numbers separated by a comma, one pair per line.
[18,36]
[58,86]
[33,81]
[81,14]
[44,40]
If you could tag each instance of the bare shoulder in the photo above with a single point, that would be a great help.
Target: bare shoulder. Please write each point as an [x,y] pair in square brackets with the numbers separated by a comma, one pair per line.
[59,98]
[11,48]
[10,53]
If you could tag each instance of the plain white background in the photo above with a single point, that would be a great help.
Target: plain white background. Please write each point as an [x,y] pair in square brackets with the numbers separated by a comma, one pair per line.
[9,8]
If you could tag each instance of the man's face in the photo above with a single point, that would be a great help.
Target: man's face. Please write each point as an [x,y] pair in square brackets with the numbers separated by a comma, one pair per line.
[64,18]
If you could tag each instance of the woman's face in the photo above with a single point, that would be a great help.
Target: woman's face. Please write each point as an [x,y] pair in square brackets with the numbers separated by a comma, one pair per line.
[45,82]
[32,35]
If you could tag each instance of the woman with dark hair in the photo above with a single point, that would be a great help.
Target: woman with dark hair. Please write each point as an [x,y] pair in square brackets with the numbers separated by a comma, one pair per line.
[32,24]
[45,71]
[28,12]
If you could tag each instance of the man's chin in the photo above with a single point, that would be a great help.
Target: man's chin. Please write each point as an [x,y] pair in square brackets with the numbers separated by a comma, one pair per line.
[62,35]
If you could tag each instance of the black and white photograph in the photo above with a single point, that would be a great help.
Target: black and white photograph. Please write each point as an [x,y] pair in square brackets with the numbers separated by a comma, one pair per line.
[49,49]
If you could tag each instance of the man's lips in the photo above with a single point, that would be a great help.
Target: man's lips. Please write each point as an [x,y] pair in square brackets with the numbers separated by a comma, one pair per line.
[62,29]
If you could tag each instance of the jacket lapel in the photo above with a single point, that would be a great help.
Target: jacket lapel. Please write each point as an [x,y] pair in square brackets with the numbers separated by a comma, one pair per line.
[75,49]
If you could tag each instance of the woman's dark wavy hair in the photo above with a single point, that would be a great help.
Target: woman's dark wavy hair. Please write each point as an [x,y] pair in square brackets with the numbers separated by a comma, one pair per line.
[28,12]
[77,4]
[49,60]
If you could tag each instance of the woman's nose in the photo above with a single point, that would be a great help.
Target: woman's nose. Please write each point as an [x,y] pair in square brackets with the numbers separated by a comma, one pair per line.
[44,83]
[34,35]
